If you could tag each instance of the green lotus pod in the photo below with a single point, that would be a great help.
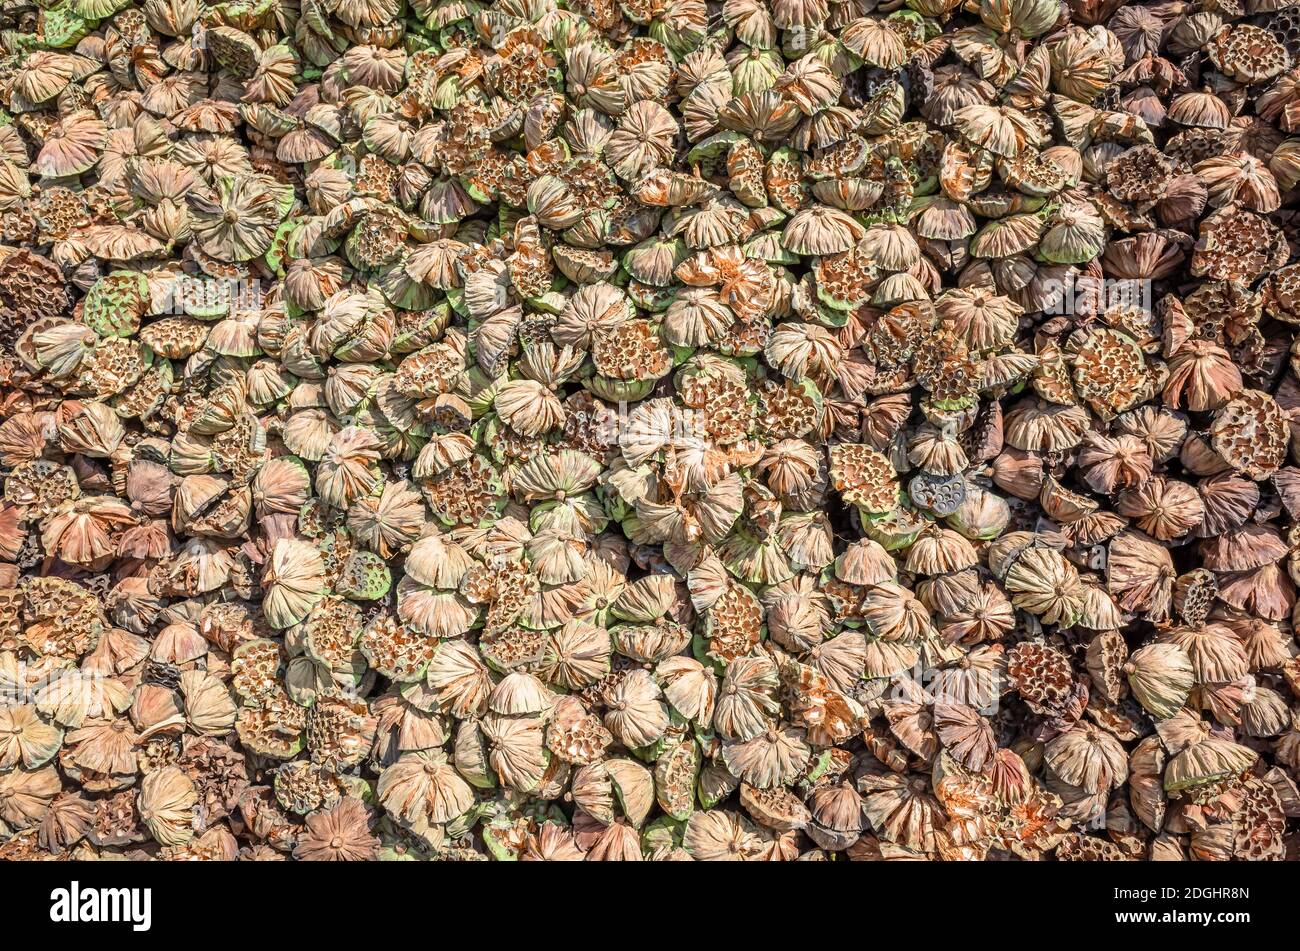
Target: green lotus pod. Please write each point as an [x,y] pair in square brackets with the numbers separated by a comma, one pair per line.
[1076,234]
[816,768]
[114,304]
[926,182]
[915,27]
[268,733]
[680,354]
[456,301]
[365,577]
[620,391]
[755,560]
[203,298]
[676,773]
[952,406]
[358,787]
[447,92]
[252,13]
[663,834]
[1029,18]
[700,651]
[470,756]
[233,49]
[981,515]
[844,280]
[1003,204]
[681,35]
[62,27]
[26,739]
[305,242]
[496,833]
[634,786]
[280,242]
[418,34]
[616,507]
[398,845]
[476,190]
[478,390]
[757,72]
[553,301]
[934,8]
[553,203]
[653,299]
[266,118]
[832,317]
[592,232]
[415,331]
[582,514]
[98,9]
[714,785]
[464,824]
[17,42]
[1212,760]
[650,752]
[766,246]
[316,18]
[895,529]
[653,260]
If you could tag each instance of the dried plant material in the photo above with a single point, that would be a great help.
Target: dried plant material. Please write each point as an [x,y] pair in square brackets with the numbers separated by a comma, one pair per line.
[753,431]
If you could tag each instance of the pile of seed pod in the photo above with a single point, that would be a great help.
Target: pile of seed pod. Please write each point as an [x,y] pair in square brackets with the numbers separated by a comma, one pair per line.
[657,429]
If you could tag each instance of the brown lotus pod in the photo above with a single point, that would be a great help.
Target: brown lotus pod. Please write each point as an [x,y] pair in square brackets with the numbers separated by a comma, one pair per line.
[1164,509]
[167,799]
[1088,757]
[863,476]
[1251,433]
[1106,655]
[1194,595]
[1236,244]
[1139,176]
[1042,675]
[31,288]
